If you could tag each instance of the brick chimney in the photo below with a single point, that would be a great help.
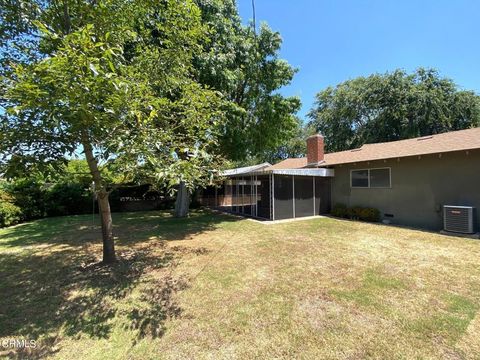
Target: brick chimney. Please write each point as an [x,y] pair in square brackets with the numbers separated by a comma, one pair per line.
[314,149]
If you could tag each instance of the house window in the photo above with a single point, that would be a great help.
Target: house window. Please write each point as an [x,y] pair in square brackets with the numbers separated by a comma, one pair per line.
[380,178]
[360,178]
[371,178]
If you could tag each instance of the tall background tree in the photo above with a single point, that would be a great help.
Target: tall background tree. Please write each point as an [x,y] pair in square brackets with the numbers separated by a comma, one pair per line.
[244,65]
[392,106]
[294,147]
[112,79]
[258,123]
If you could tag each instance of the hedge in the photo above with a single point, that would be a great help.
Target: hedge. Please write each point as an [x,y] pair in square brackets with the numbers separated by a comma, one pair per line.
[356,213]
[68,199]
[29,196]
[33,198]
[10,214]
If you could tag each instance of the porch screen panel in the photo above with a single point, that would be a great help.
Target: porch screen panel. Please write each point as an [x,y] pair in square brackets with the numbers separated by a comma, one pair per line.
[283,194]
[226,202]
[241,188]
[220,195]
[263,197]
[247,195]
[207,196]
[303,196]
[322,195]
[234,195]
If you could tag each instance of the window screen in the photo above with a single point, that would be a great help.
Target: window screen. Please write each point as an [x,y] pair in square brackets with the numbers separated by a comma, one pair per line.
[303,196]
[263,197]
[234,195]
[322,195]
[359,178]
[283,190]
[380,178]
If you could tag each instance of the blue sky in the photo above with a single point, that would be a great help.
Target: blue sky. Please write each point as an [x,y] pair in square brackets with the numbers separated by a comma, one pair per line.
[332,41]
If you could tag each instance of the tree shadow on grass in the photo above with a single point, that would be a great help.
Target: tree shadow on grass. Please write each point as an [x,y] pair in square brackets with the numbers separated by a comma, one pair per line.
[65,291]
[50,297]
[128,228]
[163,226]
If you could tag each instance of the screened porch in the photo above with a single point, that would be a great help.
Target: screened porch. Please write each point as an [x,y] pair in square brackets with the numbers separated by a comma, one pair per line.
[272,195]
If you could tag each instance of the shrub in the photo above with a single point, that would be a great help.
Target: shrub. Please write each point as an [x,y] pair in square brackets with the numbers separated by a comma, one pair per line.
[167,204]
[369,214]
[68,199]
[29,196]
[356,213]
[6,197]
[10,214]
[339,210]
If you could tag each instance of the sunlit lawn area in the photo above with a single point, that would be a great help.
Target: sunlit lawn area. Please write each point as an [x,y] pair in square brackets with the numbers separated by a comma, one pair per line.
[215,286]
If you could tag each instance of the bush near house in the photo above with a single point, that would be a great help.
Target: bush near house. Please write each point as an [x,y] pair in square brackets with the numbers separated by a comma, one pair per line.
[369,214]
[356,213]
[339,210]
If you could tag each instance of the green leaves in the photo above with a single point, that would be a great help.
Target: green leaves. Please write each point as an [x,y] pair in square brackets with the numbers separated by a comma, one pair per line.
[44,30]
[116,75]
[94,69]
[392,106]
[246,69]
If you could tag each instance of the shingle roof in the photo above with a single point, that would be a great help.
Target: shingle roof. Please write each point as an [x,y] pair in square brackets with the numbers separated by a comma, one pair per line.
[451,141]
[291,163]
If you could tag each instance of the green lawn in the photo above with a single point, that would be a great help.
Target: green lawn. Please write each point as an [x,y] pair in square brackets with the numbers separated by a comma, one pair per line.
[215,286]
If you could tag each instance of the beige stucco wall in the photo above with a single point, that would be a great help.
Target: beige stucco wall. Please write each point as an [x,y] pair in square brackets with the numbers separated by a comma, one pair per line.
[420,186]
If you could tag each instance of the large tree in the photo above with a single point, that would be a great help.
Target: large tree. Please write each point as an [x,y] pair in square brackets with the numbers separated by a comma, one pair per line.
[294,147]
[244,65]
[392,106]
[111,78]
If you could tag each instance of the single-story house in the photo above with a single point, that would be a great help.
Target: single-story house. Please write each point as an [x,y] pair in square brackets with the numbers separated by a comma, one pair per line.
[409,181]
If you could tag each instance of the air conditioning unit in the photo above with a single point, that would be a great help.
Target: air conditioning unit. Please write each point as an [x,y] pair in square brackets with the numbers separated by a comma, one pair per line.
[459,219]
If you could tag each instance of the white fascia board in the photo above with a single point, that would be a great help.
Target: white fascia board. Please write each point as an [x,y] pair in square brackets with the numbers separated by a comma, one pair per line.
[322,172]
[319,172]
[245,170]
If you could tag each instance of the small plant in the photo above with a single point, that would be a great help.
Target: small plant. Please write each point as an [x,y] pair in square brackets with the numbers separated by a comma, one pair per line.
[370,214]
[10,214]
[339,210]
[356,213]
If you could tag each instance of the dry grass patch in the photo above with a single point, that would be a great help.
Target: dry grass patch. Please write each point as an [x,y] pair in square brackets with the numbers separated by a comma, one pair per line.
[214,286]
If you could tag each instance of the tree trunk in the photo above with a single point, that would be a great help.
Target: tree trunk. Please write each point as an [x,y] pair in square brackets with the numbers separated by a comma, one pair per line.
[103,205]
[107,227]
[182,201]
